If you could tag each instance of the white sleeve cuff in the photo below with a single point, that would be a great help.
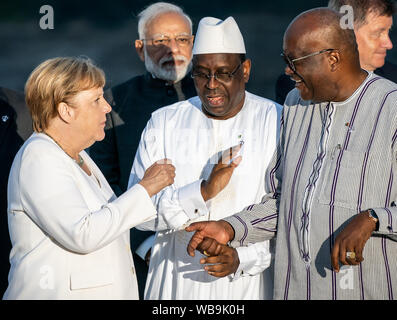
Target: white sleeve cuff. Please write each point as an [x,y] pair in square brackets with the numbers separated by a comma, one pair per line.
[254,259]
[170,208]
[192,201]
[145,246]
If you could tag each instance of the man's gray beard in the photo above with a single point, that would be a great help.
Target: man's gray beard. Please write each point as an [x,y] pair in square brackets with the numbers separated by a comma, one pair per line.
[174,74]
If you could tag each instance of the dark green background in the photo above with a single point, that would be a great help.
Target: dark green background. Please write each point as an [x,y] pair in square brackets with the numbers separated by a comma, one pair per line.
[105,31]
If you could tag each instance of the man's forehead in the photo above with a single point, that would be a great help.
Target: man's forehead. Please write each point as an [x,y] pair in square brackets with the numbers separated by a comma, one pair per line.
[293,43]
[300,41]
[167,17]
[171,22]
[168,34]
[215,58]
[295,34]
[377,21]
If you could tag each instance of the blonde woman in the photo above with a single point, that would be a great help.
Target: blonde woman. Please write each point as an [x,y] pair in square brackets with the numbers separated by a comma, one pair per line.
[69,232]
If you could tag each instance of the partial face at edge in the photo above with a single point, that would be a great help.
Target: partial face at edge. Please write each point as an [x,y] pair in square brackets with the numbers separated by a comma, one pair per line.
[373,41]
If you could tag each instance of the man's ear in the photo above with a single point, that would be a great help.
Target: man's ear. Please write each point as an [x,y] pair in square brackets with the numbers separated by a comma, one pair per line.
[247,69]
[139,49]
[66,113]
[334,60]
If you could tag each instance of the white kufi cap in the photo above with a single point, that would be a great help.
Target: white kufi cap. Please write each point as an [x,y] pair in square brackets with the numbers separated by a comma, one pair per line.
[217,36]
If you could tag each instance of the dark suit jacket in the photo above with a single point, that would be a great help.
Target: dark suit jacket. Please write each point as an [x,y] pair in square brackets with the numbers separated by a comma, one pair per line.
[132,105]
[284,84]
[15,128]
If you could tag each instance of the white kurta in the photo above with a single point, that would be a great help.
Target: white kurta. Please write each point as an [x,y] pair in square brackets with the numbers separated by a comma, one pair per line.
[183,133]
[69,233]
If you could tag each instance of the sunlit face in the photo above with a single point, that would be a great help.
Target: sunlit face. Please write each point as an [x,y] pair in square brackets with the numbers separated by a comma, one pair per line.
[167,61]
[312,79]
[311,76]
[90,113]
[221,100]
[373,41]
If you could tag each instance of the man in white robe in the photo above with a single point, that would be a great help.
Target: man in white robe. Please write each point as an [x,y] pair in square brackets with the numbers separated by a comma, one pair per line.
[194,134]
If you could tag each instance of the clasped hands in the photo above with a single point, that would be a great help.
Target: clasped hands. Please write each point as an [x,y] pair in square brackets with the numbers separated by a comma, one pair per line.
[211,237]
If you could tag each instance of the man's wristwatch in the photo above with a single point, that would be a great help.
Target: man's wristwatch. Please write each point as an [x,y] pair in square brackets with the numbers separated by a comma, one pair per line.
[372,214]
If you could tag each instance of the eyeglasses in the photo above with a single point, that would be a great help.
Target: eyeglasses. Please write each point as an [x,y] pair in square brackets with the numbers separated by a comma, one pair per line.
[290,62]
[223,77]
[181,41]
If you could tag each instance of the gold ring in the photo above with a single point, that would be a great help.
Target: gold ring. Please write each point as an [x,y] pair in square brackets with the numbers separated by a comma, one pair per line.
[351,255]
[206,253]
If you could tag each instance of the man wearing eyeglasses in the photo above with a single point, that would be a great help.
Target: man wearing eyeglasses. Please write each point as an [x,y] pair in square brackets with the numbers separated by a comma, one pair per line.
[372,21]
[220,142]
[333,177]
[165,46]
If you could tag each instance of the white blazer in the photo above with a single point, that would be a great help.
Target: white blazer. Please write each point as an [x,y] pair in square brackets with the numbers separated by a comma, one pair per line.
[69,233]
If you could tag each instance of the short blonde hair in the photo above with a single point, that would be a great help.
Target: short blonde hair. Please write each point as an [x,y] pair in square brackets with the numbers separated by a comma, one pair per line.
[58,80]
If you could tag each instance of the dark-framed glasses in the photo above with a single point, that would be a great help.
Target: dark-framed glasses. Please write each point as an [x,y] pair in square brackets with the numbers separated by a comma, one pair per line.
[290,62]
[223,77]
[163,40]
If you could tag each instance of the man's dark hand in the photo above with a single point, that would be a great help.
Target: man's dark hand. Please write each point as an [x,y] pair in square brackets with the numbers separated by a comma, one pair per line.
[222,259]
[221,173]
[218,230]
[352,239]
